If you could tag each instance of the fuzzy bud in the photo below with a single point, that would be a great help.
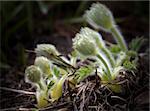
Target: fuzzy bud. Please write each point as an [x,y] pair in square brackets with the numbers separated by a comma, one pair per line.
[33,74]
[84,45]
[43,63]
[93,35]
[100,17]
[46,50]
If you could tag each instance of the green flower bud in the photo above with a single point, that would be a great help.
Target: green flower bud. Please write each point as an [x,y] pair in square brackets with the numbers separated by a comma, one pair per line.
[44,64]
[93,35]
[84,45]
[99,16]
[46,50]
[98,41]
[33,74]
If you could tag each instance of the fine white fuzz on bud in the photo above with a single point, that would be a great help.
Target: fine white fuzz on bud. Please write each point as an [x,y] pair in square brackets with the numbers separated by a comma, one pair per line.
[46,50]
[43,63]
[93,35]
[33,74]
[99,16]
[84,45]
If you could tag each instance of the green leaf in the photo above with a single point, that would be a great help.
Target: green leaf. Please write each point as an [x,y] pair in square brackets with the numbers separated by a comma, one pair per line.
[136,43]
[56,71]
[130,65]
[132,54]
[83,72]
[115,49]
[50,84]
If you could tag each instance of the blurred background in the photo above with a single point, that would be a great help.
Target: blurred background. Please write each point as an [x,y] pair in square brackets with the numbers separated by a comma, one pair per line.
[24,24]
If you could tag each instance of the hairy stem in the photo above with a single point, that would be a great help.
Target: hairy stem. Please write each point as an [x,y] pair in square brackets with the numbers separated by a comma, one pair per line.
[105,64]
[109,56]
[42,85]
[119,38]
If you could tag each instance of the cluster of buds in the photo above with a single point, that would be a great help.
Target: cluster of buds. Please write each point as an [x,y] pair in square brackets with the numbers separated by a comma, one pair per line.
[50,70]
[42,74]
[89,43]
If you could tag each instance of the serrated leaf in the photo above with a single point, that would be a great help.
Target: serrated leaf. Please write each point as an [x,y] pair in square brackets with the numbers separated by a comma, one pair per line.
[130,65]
[136,43]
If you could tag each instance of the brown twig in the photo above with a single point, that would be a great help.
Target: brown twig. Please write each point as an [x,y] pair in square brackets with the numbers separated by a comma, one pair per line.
[18,91]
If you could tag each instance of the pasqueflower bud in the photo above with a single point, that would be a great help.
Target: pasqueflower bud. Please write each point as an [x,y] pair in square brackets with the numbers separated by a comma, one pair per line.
[84,45]
[46,50]
[99,16]
[85,42]
[93,35]
[33,74]
[88,41]
[44,64]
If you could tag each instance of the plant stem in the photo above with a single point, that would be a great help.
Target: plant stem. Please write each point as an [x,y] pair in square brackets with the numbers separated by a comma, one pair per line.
[121,59]
[42,85]
[105,64]
[42,98]
[118,36]
[107,53]
[73,61]
[109,56]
